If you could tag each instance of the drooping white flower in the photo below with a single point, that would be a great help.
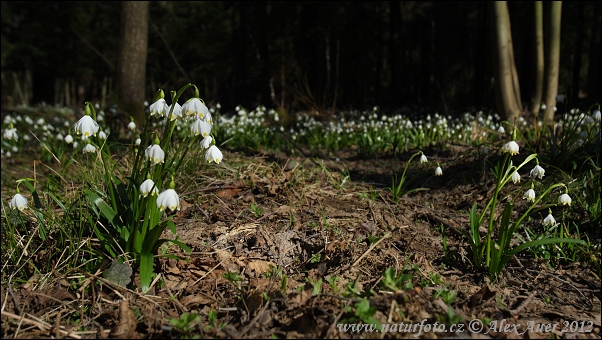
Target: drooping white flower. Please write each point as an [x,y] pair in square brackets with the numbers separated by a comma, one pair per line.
[200,127]
[564,199]
[195,107]
[206,142]
[423,159]
[537,172]
[132,126]
[177,112]
[87,127]
[168,199]
[501,130]
[549,221]
[597,115]
[438,171]
[60,136]
[213,154]
[511,147]
[138,141]
[102,135]
[68,139]
[147,187]
[159,108]
[89,148]
[529,195]
[155,154]
[18,202]
[11,134]
[515,177]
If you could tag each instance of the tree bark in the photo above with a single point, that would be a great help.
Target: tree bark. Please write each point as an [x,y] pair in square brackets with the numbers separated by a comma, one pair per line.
[538,61]
[506,76]
[552,61]
[133,48]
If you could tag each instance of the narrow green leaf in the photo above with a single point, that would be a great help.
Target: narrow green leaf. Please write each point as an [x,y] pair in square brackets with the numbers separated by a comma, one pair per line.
[146,270]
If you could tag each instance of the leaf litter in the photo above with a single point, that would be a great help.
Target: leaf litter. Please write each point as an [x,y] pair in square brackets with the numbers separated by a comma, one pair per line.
[308,260]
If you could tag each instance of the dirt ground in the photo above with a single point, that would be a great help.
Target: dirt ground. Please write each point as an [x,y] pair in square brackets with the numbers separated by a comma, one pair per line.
[317,224]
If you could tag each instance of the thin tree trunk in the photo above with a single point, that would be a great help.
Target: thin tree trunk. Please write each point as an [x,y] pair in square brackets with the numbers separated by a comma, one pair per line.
[552,61]
[506,77]
[131,69]
[538,64]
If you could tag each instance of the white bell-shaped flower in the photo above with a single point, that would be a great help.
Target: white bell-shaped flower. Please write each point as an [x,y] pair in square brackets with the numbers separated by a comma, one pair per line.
[11,134]
[530,195]
[68,139]
[168,199]
[511,147]
[213,154]
[89,148]
[515,177]
[102,135]
[148,187]
[206,142]
[537,172]
[549,221]
[564,199]
[159,108]
[155,154]
[200,127]
[423,159]
[138,141]
[438,171]
[18,202]
[86,126]
[177,112]
[132,126]
[195,107]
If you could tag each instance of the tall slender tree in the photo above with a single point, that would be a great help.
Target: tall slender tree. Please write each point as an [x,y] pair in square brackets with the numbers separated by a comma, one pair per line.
[131,63]
[506,76]
[538,59]
[552,60]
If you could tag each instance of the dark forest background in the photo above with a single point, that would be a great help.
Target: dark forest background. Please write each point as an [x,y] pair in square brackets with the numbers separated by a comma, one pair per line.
[299,55]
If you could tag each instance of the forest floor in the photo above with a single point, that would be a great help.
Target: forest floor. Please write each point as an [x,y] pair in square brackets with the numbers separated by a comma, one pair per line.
[310,240]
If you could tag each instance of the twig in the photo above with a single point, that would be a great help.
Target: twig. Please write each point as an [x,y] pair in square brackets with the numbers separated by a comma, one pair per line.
[523,304]
[370,249]
[333,326]
[38,323]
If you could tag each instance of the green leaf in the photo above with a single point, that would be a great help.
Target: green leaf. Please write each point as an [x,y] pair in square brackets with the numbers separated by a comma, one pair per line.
[38,204]
[146,270]
[118,273]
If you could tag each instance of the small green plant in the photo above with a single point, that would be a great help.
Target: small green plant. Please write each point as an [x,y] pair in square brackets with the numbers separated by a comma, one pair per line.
[398,186]
[316,285]
[315,258]
[394,282]
[257,210]
[451,318]
[364,313]
[448,296]
[185,324]
[234,278]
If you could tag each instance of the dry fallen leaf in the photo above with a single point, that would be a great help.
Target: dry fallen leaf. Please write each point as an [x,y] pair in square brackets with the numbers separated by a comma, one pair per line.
[126,327]
[260,266]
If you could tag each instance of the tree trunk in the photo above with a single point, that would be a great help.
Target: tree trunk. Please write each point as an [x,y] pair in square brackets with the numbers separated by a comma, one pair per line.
[593,69]
[552,61]
[131,69]
[538,61]
[506,77]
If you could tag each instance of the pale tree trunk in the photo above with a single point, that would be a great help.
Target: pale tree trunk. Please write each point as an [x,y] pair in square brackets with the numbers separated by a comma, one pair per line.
[552,61]
[131,63]
[506,77]
[538,64]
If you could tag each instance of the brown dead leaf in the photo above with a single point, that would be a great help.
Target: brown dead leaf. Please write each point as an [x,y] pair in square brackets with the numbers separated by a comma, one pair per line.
[196,300]
[260,266]
[225,258]
[126,327]
[231,192]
